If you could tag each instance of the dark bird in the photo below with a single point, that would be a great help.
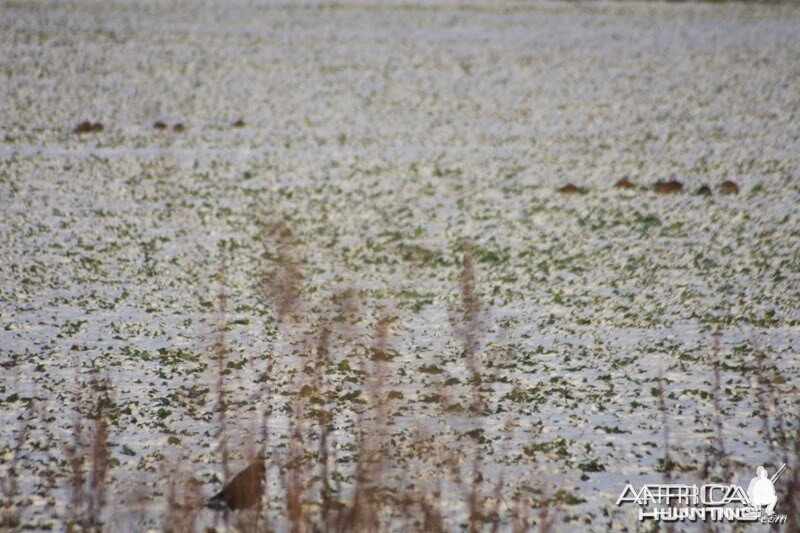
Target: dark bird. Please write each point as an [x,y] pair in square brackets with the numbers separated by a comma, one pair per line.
[244,490]
[624,183]
[729,187]
[86,127]
[668,187]
[570,189]
[705,190]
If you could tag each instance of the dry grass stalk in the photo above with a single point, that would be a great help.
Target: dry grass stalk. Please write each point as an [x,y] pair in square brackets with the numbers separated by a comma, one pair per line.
[263,502]
[662,407]
[324,418]
[545,517]
[281,283]
[220,354]
[99,454]
[432,519]
[721,454]
[471,332]
[520,514]
[74,454]
[87,490]
[294,483]
[364,511]
[668,463]
[768,398]
[792,499]
[294,469]
[183,501]
[10,482]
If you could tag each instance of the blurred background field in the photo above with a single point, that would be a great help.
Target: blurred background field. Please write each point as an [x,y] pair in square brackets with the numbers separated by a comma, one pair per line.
[373,189]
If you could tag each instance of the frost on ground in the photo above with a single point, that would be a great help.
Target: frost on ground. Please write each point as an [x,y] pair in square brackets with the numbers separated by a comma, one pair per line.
[381,139]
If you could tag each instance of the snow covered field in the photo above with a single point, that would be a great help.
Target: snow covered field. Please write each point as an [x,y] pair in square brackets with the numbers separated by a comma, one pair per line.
[383,137]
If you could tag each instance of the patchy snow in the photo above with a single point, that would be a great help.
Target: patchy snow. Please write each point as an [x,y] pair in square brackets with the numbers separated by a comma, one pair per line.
[385,135]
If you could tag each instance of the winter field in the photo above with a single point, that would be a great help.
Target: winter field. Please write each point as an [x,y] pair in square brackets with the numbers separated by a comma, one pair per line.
[358,242]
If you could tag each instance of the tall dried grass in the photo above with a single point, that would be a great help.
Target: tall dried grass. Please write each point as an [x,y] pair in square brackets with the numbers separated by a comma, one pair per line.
[318,490]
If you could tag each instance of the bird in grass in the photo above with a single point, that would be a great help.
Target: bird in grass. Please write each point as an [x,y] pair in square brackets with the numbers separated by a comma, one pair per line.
[243,491]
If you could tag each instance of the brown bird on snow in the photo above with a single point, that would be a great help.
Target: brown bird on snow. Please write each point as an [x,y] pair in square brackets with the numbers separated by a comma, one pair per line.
[729,187]
[570,189]
[244,490]
[86,127]
[705,190]
[624,183]
[668,187]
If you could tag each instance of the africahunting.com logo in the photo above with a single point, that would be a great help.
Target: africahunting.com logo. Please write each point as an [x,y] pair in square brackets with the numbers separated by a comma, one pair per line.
[713,502]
